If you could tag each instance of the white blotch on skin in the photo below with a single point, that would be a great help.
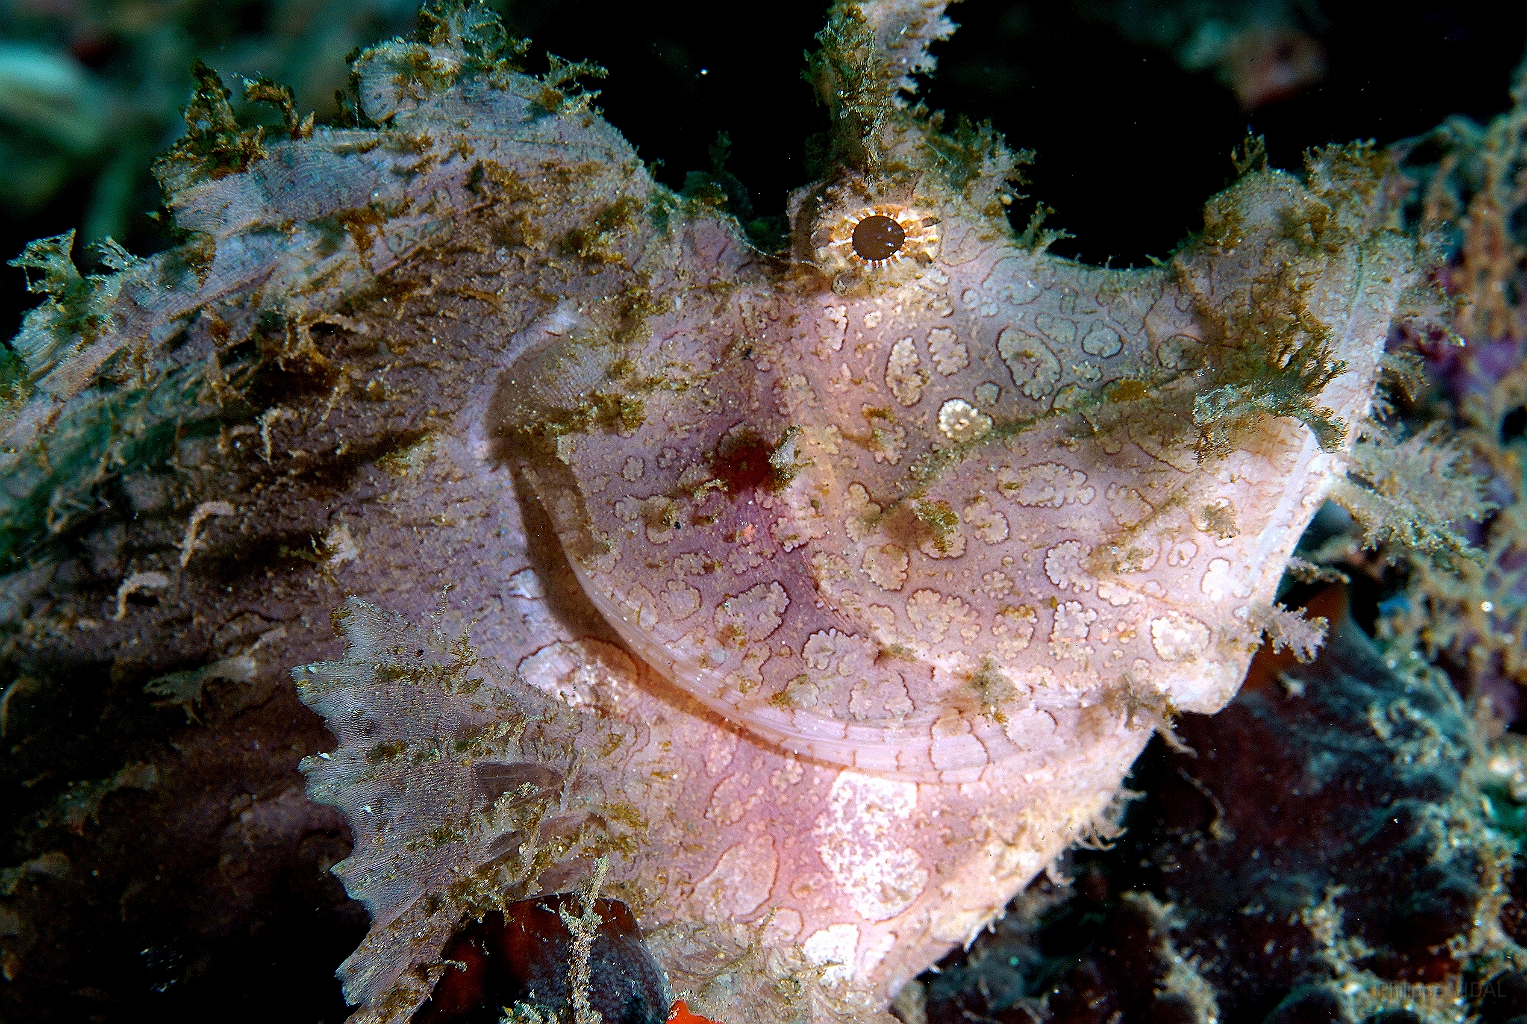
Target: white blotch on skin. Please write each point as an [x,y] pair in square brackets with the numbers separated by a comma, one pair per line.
[862,839]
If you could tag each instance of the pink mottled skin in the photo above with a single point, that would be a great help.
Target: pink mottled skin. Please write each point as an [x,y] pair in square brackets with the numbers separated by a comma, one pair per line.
[829,600]
[1098,567]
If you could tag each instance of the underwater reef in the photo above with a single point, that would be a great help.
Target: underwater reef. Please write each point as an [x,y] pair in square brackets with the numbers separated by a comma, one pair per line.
[761,622]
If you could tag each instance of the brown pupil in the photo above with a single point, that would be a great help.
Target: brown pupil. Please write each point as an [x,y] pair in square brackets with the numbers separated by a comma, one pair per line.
[878,238]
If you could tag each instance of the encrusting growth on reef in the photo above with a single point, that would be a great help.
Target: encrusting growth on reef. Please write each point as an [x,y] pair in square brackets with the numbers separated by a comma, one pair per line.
[1465,603]
[875,565]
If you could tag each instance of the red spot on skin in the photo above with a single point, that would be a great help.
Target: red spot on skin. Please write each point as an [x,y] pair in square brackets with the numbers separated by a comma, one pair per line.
[680,1015]
[742,463]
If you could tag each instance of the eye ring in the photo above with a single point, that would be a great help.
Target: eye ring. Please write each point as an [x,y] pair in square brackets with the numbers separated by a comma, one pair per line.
[879,237]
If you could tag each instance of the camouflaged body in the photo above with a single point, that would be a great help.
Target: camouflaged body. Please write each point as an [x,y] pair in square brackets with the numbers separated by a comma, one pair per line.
[830,602]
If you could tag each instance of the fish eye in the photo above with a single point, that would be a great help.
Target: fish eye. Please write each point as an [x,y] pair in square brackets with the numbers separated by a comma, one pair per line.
[878,237]
[874,246]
